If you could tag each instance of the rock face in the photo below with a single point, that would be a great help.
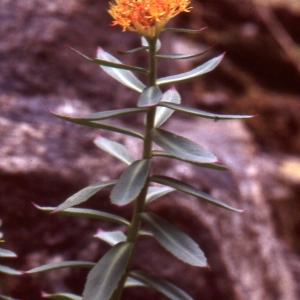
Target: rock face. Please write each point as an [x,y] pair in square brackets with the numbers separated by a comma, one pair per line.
[45,160]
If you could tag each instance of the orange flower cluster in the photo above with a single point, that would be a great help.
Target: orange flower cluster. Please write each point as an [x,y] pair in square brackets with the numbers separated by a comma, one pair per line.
[147,17]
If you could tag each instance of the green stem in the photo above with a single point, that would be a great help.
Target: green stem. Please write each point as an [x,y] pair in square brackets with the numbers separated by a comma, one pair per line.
[133,231]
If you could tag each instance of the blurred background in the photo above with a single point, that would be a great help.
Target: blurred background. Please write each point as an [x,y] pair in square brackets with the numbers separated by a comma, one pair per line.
[253,255]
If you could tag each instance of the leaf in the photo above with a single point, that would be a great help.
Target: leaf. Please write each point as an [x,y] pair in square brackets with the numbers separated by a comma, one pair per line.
[174,240]
[155,192]
[111,237]
[131,182]
[112,113]
[131,282]
[203,165]
[104,278]
[84,195]
[7,253]
[163,286]
[61,296]
[88,213]
[150,96]
[8,270]
[124,76]
[183,187]
[135,50]
[60,265]
[202,69]
[201,113]
[115,149]
[181,147]
[191,31]
[145,43]
[2,297]
[96,124]
[162,114]
[106,61]
[182,56]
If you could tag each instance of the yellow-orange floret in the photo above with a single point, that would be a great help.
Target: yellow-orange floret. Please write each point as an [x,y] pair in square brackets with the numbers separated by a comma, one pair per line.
[147,17]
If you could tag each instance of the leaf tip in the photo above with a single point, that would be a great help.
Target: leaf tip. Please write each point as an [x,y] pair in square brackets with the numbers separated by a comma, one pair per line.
[203,28]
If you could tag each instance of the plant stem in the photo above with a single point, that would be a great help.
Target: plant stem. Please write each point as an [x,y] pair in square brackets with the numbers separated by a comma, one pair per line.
[133,231]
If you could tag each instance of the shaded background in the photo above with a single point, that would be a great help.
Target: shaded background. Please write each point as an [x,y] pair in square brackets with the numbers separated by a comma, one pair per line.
[254,255]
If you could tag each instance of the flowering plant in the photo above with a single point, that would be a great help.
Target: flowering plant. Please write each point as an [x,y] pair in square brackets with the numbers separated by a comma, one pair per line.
[113,272]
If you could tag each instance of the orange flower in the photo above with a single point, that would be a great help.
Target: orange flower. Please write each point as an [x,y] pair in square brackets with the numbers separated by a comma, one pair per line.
[147,17]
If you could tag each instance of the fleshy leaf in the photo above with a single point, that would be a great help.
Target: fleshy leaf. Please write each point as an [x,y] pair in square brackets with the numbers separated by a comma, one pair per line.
[111,237]
[135,50]
[181,147]
[191,31]
[145,43]
[201,113]
[131,182]
[115,149]
[150,96]
[8,270]
[7,253]
[155,192]
[112,113]
[203,165]
[183,56]
[202,69]
[2,297]
[124,76]
[84,194]
[88,213]
[131,282]
[104,278]
[163,286]
[95,124]
[162,114]
[60,265]
[174,240]
[61,296]
[183,187]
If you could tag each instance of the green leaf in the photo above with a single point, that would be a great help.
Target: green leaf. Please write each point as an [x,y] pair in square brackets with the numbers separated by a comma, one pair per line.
[145,43]
[131,282]
[115,149]
[202,69]
[201,113]
[182,56]
[135,50]
[112,113]
[7,253]
[88,213]
[99,125]
[124,76]
[150,96]
[104,278]
[174,240]
[191,31]
[131,182]
[163,286]
[8,270]
[183,187]
[155,192]
[203,165]
[162,114]
[60,265]
[107,61]
[84,195]
[61,296]
[181,147]
[111,237]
